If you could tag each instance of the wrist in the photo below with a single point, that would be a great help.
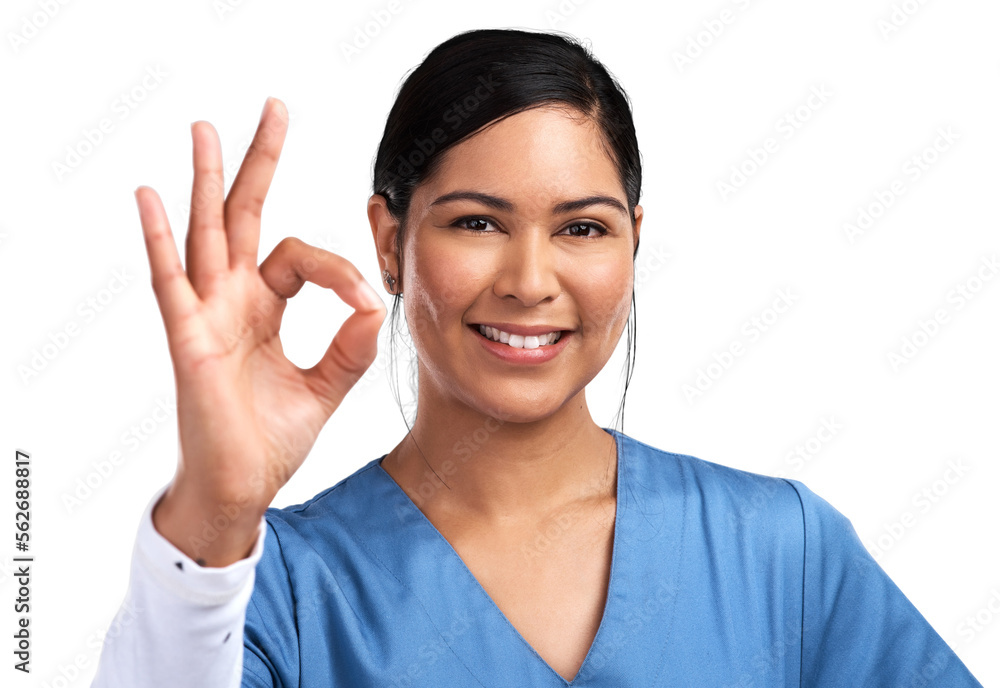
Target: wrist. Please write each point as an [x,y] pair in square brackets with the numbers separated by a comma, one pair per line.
[211,532]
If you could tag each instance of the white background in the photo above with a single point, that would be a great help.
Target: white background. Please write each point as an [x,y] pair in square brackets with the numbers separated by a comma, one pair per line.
[707,263]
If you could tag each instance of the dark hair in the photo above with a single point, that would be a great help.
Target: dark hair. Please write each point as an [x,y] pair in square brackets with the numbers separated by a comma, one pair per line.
[481,76]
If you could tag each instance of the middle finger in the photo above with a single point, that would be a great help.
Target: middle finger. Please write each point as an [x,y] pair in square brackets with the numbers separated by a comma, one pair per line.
[205,247]
[246,198]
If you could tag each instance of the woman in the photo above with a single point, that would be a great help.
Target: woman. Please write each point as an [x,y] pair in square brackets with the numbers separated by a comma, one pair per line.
[507,540]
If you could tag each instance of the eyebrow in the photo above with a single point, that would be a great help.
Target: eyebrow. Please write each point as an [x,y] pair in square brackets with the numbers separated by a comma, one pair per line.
[504,205]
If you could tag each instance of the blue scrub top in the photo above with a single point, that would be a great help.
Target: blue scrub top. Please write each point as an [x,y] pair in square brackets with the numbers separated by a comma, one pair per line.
[720,578]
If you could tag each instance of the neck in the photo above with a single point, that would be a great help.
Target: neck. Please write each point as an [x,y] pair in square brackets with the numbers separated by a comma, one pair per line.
[458,460]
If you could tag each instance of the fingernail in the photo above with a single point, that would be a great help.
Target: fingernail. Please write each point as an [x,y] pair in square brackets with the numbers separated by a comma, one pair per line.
[264,111]
[368,295]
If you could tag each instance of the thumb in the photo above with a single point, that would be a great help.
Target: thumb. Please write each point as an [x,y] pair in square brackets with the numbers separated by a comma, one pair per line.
[349,355]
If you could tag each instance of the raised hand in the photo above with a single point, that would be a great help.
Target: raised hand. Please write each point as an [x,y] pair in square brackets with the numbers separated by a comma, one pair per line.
[247,416]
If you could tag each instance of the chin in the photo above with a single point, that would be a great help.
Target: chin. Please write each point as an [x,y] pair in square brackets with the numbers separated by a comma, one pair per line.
[516,402]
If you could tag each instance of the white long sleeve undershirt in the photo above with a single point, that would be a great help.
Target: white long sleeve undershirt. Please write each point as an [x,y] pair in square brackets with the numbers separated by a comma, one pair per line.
[180,624]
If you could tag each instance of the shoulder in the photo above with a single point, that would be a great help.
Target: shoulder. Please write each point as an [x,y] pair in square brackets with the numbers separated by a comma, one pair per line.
[741,499]
[345,488]
[329,510]
[742,508]
[315,535]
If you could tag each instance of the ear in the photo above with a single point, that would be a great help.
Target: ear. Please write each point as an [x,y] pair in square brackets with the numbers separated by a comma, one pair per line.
[635,233]
[385,231]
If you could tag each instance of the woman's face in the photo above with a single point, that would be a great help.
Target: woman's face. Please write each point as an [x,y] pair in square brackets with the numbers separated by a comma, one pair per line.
[513,259]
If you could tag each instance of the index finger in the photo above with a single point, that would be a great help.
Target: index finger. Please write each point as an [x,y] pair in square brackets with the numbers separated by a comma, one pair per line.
[173,290]
[293,262]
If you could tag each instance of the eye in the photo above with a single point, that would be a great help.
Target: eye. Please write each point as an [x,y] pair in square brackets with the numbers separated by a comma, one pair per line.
[479,225]
[474,224]
[587,226]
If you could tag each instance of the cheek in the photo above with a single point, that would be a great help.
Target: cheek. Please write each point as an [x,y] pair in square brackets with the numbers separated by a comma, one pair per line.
[442,283]
[604,294]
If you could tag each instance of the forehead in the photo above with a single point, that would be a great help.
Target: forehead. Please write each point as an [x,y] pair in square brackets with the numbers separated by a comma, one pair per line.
[539,156]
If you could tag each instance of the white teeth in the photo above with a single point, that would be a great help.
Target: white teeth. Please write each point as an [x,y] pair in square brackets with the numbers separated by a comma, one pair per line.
[519,341]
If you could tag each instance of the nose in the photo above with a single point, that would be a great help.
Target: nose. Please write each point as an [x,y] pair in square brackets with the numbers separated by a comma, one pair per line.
[527,270]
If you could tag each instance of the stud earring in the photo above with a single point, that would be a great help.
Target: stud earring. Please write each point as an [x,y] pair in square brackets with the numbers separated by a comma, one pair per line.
[390,280]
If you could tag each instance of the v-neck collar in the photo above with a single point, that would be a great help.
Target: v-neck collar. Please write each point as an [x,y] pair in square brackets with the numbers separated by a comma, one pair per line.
[478,632]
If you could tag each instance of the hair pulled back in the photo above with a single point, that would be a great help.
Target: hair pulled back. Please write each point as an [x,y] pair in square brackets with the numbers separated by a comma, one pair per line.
[479,77]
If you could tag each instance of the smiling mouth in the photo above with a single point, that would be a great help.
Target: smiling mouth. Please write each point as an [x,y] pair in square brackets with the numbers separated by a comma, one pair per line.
[517,341]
